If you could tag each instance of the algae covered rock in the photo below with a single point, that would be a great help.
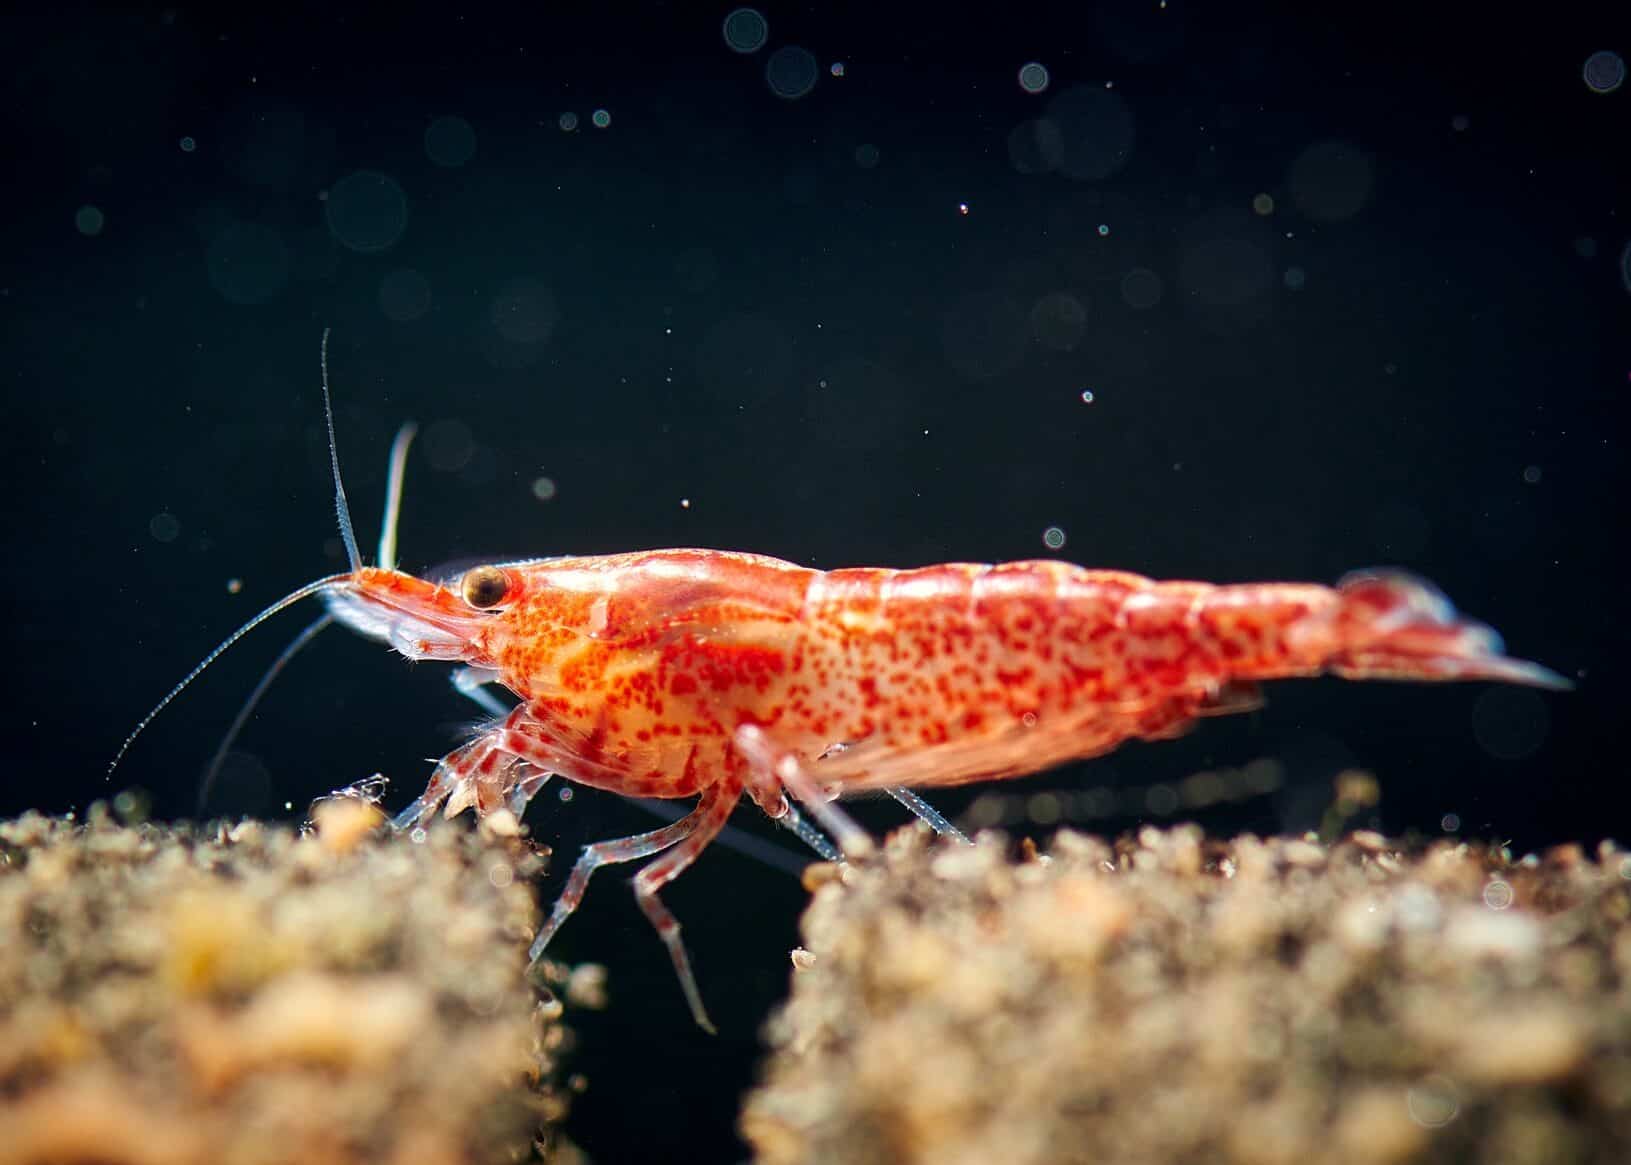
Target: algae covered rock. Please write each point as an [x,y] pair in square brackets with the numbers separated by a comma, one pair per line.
[1173,999]
[254,994]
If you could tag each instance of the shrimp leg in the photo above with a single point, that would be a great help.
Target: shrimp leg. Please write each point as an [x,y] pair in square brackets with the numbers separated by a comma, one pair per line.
[782,767]
[931,816]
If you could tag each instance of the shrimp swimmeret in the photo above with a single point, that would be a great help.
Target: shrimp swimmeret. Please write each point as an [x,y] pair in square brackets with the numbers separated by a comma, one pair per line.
[680,673]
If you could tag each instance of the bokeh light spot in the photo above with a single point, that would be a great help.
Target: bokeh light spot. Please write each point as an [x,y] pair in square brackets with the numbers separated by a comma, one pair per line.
[1141,289]
[1033,77]
[89,220]
[1531,474]
[404,295]
[1295,278]
[1087,396]
[1263,204]
[745,30]
[449,445]
[1510,723]
[164,526]
[367,211]
[984,335]
[188,145]
[1058,321]
[524,311]
[866,155]
[791,72]
[568,122]
[1095,130]
[1603,72]
[601,118]
[543,488]
[837,69]
[1331,181]
[247,262]
[450,141]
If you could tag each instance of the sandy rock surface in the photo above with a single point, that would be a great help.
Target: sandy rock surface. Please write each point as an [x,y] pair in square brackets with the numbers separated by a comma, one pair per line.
[1167,998]
[244,994]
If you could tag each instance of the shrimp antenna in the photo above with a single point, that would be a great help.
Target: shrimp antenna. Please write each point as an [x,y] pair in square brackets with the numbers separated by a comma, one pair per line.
[393,494]
[288,600]
[387,560]
[340,506]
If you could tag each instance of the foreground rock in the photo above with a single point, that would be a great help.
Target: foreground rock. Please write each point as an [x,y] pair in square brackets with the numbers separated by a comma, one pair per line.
[248,994]
[1172,999]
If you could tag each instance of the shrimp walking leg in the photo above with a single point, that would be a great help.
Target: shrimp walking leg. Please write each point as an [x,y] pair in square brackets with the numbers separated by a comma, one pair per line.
[775,766]
[931,816]
[715,806]
[604,853]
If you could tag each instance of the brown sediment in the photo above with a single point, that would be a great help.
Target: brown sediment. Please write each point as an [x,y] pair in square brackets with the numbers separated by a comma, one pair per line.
[1167,998]
[249,994]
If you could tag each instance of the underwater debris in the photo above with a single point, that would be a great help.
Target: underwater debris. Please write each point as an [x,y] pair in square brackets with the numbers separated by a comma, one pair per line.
[245,993]
[1169,998]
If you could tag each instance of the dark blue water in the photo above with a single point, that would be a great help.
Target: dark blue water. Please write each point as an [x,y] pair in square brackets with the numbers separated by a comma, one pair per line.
[1237,294]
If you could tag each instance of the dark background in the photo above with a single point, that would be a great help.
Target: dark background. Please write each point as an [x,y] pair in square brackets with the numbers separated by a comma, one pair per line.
[1413,351]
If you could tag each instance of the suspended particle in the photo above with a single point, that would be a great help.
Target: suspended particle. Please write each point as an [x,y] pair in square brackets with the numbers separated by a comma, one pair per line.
[1053,538]
[1087,396]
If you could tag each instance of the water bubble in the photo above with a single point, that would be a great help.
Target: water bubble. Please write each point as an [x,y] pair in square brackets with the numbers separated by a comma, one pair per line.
[745,30]
[89,220]
[450,141]
[1087,396]
[543,488]
[188,145]
[164,526]
[1531,474]
[568,121]
[564,793]
[1104,229]
[837,69]
[1033,77]
[1053,537]
[1603,72]
[1498,895]
[1450,822]
[791,72]
[601,118]
[367,211]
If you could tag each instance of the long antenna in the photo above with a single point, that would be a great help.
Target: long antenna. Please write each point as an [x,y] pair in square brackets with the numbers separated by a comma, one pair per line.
[287,600]
[340,505]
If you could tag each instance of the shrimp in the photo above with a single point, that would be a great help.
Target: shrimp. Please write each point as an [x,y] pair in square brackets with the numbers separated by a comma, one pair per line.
[717,675]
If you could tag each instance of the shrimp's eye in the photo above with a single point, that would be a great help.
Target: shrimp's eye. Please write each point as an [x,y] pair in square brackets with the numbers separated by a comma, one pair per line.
[485,586]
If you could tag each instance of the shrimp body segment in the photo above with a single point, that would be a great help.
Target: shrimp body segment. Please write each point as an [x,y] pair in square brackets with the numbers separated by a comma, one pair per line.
[638,672]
